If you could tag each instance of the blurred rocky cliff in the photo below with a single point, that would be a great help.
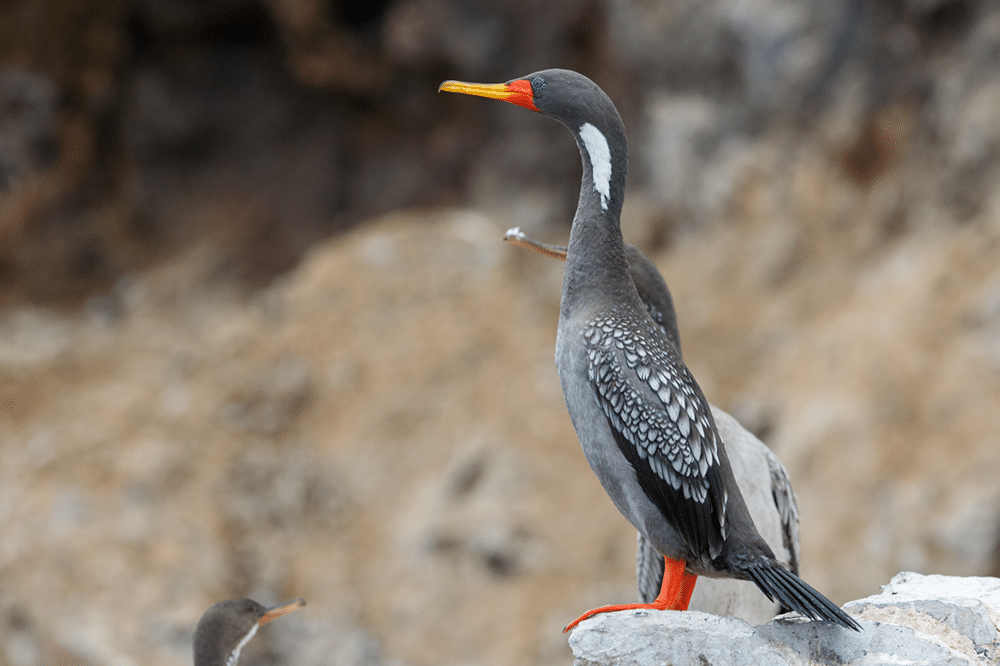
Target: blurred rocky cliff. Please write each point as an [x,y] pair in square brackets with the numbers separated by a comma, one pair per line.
[259,335]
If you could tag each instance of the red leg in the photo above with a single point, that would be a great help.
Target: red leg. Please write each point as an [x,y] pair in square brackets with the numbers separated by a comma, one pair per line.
[675,593]
[687,589]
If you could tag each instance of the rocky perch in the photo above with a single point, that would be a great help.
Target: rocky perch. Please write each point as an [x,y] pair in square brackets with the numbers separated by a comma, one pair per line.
[915,620]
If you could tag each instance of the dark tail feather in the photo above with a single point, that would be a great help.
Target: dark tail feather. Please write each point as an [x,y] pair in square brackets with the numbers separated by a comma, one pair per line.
[791,591]
[648,569]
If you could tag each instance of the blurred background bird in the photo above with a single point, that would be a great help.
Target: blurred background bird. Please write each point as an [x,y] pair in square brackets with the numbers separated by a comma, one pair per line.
[227,626]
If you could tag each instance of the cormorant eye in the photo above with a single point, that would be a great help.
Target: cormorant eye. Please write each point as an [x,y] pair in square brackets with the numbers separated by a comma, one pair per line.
[537,84]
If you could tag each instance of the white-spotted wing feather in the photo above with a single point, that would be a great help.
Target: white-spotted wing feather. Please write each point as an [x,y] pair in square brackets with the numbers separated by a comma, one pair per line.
[663,425]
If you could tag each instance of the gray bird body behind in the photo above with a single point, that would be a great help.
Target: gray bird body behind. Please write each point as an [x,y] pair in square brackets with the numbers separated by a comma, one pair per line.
[762,479]
[769,497]
[587,347]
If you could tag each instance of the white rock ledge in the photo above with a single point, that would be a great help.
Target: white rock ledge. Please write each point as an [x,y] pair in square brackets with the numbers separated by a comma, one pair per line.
[915,620]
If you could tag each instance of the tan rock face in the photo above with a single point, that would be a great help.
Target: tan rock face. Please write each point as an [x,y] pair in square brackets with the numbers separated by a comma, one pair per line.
[382,433]
[381,430]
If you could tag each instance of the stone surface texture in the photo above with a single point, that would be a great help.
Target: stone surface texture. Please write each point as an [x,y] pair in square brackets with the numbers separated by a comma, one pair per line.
[934,620]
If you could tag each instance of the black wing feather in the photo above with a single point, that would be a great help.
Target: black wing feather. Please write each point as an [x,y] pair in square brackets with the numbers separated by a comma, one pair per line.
[692,519]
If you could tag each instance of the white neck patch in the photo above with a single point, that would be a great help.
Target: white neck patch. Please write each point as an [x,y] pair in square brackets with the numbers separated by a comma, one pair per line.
[600,160]
[234,656]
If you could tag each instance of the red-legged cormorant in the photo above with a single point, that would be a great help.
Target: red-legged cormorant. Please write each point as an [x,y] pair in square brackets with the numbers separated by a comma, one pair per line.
[643,422]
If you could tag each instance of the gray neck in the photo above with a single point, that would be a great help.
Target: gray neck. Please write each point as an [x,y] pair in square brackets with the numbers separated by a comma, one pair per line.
[597,269]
